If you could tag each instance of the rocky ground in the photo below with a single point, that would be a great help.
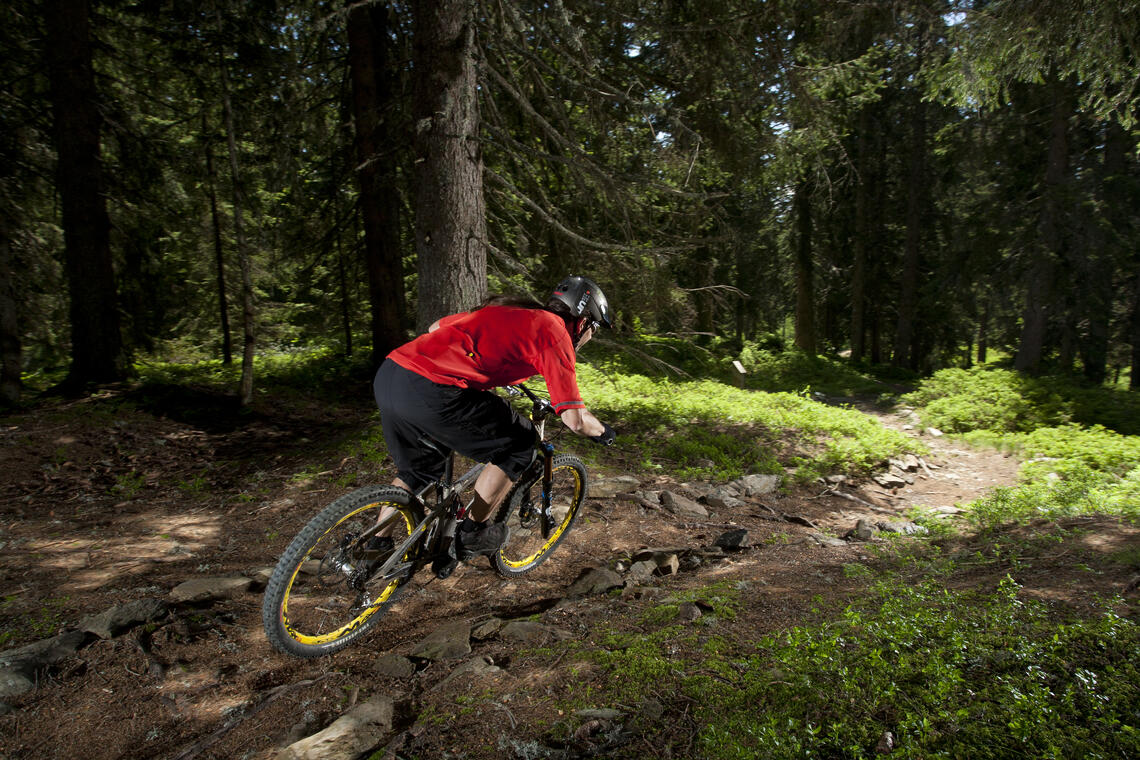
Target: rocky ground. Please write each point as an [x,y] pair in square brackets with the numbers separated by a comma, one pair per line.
[136,541]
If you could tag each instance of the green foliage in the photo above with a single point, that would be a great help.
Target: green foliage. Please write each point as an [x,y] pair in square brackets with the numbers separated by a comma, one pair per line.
[703,426]
[960,400]
[949,674]
[1000,44]
[1097,448]
[42,622]
[318,369]
[1080,491]
[795,370]
[1069,469]
[129,484]
[767,366]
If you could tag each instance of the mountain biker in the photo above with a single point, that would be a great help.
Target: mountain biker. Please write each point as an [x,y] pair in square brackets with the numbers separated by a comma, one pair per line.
[439,385]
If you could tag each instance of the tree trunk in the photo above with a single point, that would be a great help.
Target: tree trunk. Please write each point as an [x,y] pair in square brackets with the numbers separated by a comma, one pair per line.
[983,330]
[370,66]
[805,286]
[96,340]
[905,332]
[245,388]
[10,353]
[1134,325]
[219,255]
[1035,316]
[450,215]
[876,337]
[859,244]
[1115,198]
[345,298]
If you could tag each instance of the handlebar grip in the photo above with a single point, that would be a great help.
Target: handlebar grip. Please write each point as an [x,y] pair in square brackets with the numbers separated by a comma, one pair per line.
[606,437]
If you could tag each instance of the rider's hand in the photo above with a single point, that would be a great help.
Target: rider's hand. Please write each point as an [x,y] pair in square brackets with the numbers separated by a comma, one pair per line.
[606,437]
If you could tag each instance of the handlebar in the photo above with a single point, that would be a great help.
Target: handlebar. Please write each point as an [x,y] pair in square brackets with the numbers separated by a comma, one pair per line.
[542,407]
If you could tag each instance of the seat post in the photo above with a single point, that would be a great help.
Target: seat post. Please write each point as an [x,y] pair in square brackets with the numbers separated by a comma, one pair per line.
[448,468]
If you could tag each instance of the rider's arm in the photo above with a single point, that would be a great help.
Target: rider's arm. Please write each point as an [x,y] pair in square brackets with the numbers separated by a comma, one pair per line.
[582,422]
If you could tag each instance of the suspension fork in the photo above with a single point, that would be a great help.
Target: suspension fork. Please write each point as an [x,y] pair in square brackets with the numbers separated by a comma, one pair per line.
[547,484]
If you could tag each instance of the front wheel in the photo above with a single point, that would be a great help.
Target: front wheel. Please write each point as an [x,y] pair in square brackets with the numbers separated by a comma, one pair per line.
[535,535]
[327,589]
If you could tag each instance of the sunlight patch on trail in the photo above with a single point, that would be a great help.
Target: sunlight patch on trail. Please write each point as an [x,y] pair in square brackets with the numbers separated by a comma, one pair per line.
[135,544]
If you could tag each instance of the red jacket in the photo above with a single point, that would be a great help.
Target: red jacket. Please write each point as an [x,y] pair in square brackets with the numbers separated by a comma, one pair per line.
[495,346]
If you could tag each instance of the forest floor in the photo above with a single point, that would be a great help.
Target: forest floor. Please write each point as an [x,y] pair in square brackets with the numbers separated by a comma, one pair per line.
[124,496]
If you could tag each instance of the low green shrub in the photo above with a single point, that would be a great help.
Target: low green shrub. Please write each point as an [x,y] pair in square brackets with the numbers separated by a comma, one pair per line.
[795,371]
[702,426]
[1079,491]
[1068,471]
[767,365]
[961,400]
[948,674]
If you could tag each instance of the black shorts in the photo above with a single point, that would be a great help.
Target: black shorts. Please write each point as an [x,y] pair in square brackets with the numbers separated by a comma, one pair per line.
[477,424]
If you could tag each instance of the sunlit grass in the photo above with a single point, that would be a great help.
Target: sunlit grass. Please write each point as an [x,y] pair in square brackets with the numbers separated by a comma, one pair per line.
[704,425]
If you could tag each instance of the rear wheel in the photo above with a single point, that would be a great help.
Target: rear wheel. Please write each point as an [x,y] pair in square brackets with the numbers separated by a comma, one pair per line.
[326,590]
[534,535]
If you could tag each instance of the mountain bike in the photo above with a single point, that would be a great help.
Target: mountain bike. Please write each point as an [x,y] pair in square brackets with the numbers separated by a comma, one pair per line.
[350,564]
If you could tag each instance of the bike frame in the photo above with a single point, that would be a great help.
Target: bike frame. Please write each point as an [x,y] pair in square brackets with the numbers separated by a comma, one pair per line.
[447,506]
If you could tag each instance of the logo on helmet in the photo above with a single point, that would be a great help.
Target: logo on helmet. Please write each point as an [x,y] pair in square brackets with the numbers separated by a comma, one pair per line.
[585,299]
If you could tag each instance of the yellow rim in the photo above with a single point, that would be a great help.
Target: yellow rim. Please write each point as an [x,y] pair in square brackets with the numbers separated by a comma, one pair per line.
[554,536]
[357,621]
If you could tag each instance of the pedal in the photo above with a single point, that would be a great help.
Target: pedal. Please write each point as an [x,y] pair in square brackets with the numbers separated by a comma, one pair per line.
[445,562]
[444,566]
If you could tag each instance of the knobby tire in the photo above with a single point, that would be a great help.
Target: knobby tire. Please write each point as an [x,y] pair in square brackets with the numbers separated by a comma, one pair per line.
[527,547]
[320,598]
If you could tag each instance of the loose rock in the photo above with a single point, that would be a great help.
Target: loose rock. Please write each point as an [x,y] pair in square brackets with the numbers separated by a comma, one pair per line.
[614,486]
[824,540]
[116,620]
[479,666]
[889,480]
[597,580]
[902,528]
[723,498]
[359,730]
[682,506]
[209,589]
[734,540]
[486,629]
[395,666]
[688,612]
[863,531]
[450,641]
[532,632]
[643,570]
[20,667]
[14,683]
[756,485]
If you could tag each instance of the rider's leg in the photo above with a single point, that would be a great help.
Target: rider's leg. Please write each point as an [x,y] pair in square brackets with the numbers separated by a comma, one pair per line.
[476,535]
[491,487]
[386,512]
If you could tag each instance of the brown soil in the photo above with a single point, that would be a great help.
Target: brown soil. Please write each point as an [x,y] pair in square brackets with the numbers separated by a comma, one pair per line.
[116,498]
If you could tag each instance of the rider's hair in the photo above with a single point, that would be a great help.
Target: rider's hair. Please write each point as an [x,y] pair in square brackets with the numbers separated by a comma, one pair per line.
[504,299]
[526,302]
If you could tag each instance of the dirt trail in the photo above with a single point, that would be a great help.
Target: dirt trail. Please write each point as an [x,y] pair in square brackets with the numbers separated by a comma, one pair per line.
[955,472]
[100,510]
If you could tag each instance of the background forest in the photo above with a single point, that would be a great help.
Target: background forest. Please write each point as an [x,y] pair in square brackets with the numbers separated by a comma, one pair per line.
[904,218]
[918,183]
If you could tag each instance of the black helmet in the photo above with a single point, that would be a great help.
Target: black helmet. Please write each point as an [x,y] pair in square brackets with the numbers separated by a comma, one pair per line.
[585,299]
